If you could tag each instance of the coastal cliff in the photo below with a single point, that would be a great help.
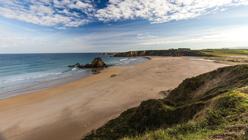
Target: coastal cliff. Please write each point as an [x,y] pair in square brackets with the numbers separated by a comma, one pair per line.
[170,52]
[209,106]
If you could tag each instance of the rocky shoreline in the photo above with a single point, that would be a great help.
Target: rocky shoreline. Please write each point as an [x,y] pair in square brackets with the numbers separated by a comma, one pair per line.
[95,63]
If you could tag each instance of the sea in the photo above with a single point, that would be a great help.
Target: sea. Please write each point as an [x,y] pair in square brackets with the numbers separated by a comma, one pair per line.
[22,73]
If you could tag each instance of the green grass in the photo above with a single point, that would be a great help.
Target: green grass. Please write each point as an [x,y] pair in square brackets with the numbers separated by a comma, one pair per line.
[225,52]
[177,134]
[230,56]
[234,103]
[222,111]
[216,120]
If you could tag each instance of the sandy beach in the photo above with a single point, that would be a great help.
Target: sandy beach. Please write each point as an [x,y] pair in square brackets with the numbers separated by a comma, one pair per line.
[69,111]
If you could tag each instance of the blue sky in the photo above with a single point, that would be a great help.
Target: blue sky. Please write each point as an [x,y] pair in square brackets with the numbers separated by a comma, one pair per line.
[49,26]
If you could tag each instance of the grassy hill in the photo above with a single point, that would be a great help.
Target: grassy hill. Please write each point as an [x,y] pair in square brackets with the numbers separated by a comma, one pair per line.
[169,52]
[185,52]
[225,52]
[210,106]
[230,56]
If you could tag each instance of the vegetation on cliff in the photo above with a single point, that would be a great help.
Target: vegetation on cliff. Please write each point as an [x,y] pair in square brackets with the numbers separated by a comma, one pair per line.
[170,52]
[225,52]
[210,106]
[233,56]
[185,52]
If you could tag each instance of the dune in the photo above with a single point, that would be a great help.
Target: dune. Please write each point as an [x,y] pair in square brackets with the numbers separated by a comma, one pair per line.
[70,111]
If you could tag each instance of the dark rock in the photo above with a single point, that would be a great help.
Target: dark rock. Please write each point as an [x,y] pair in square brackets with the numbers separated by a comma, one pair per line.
[96,63]
[113,75]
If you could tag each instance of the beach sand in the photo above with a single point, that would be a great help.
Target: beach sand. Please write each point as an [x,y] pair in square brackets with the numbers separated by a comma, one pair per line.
[69,111]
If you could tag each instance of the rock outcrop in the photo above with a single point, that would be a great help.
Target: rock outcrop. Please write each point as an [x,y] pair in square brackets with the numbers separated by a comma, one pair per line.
[95,63]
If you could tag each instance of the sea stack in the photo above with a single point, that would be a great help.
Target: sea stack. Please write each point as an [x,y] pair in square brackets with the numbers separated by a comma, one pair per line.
[95,63]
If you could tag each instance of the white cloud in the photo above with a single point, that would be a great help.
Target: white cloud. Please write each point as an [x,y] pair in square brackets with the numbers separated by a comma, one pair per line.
[74,13]
[137,39]
[41,10]
[82,5]
[48,12]
[232,36]
[158,11]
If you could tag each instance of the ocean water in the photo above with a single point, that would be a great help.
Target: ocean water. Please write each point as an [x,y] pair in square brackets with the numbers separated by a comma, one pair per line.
[20,73]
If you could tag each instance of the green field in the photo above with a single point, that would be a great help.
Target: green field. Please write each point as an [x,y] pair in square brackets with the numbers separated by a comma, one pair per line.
[225,52]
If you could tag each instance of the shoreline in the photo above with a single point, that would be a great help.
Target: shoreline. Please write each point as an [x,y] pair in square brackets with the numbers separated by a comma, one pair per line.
[60,85]
[73,109]
[81,73]
[44,86]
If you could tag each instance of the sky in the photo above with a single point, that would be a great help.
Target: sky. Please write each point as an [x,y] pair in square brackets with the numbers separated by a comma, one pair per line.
[65,26]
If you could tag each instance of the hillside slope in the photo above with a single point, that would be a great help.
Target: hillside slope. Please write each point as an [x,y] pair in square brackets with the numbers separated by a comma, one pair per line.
[210,106]
[170,52]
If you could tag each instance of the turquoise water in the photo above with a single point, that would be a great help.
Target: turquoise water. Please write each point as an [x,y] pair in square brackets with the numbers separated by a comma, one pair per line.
[20,73]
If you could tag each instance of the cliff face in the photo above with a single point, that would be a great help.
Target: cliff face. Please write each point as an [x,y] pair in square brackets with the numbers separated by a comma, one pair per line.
[170,52]
[211,105]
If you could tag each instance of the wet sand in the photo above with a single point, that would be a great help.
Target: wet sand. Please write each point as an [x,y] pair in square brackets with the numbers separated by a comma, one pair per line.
[69,111]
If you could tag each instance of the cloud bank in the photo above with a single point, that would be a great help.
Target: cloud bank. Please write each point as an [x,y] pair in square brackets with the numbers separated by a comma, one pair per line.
[159,11]
[74,13]
[68,13]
